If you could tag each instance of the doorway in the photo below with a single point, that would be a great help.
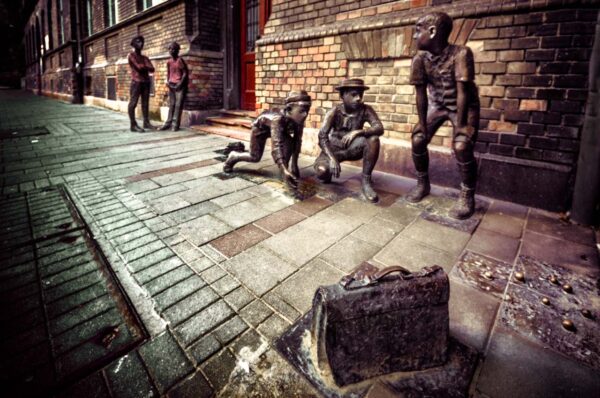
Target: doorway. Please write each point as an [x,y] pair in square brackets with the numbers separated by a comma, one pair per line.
[254,15]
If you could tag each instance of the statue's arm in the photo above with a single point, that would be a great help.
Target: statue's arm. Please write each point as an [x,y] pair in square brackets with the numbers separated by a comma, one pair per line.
[134,64]
[422,104]
[277,126]
[149,65]
[464,75]
[418,78]
[184,76]
[296,152]
[375,125]
[324,133]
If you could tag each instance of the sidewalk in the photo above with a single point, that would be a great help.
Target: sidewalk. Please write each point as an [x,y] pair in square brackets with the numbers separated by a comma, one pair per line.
[130,265]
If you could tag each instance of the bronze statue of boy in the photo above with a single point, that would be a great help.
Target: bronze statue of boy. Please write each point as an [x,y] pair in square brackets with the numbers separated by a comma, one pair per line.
[343,136]
[140,66]
[177,81]
[447,71]
[285,127]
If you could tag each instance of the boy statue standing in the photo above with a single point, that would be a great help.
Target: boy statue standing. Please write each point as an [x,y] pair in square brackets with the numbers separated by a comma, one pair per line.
[140,83]
[177,80]
[343,136]
[285,127]
[447,71]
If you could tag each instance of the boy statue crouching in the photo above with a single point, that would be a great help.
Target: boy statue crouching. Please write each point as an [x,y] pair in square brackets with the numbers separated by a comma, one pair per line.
[343,136]
[447,71]
[285,127]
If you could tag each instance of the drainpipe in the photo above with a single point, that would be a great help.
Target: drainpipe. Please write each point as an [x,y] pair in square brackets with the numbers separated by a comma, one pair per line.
[586,197]
[78,58]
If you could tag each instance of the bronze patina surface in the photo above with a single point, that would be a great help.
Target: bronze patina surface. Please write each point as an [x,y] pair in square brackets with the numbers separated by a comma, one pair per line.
[285,128]
[444,78]
[343,136]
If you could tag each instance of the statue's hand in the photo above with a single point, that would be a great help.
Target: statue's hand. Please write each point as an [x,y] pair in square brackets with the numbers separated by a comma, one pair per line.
[290,179]
[348,138]
[334,166]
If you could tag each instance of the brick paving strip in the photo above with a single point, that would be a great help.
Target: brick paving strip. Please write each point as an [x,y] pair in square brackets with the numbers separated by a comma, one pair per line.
[218,266]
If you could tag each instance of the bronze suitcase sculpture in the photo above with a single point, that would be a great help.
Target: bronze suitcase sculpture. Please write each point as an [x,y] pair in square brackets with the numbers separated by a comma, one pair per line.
[376,322]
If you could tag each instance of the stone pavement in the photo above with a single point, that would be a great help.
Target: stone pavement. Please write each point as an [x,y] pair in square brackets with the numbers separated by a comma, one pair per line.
[130,265]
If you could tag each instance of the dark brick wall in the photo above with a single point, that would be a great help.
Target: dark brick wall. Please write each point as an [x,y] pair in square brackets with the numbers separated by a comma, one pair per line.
[531,61]
[105,53]
[298,14]
[531,69]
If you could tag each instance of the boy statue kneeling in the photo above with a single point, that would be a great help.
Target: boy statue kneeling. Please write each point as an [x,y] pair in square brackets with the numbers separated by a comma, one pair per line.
[285,128]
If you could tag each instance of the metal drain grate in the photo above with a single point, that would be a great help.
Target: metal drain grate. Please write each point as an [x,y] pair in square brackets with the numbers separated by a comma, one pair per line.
[17,133]
[65,311]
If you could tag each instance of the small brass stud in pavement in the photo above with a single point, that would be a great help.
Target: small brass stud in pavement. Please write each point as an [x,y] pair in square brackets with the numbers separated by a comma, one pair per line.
[568,324]
[586,313]
[553,279]
[567,288]
[545,301]
[488,275]
[520,276]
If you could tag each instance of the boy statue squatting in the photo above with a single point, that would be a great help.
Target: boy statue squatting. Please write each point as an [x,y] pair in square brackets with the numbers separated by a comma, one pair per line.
[141,67]
[447,71]
[285,127]
[343,136]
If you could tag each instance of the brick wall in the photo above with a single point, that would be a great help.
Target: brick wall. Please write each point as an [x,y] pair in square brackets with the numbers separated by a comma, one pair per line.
[531,60]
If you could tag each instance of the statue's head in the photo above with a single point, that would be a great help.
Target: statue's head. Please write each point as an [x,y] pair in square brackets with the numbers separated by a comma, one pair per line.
[174,49]
[137,42]
[351,93]
[432,31]
[297,106]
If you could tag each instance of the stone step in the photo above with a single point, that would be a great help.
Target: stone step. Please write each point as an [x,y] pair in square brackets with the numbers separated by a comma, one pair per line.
[238,133]
[239,113]
[229,121]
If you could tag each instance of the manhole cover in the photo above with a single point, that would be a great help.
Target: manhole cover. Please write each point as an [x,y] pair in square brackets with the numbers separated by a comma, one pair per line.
[64,312]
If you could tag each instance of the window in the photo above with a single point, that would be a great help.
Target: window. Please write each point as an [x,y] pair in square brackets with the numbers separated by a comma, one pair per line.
[89,17]
[145,4]
[110,12]
[60,22]
[111,87]
[252,9]
[49,15]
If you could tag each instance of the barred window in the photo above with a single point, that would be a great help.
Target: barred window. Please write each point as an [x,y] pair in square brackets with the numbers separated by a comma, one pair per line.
[110,12]
[89,17]
[49,23]
[60,21]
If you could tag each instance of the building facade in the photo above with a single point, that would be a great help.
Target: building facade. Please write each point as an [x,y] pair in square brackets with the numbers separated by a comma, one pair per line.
[531,59]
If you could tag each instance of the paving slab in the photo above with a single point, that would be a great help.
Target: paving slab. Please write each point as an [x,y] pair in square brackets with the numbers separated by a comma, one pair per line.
[299,289]
[259,269]
[533,370]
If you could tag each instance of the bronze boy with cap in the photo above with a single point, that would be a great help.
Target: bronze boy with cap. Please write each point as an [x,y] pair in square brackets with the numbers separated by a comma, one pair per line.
[177,80]
[448,72]
[285,127]
[344,137]
[140,83]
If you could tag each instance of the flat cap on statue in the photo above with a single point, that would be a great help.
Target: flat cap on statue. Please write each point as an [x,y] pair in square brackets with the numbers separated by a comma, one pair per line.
[297,96]
[352,83]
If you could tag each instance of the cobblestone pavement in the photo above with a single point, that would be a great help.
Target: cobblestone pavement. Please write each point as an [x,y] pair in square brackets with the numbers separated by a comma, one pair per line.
[131,266]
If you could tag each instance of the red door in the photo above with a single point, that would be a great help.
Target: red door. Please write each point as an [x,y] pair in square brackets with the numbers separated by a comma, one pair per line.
[255,14]
[249,33]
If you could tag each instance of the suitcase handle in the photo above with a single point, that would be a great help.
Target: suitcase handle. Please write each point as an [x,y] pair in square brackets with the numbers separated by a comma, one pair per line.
[386,271]
[371,278]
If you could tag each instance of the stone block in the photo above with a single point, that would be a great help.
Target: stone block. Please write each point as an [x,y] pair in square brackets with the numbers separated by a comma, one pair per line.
[165,361]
